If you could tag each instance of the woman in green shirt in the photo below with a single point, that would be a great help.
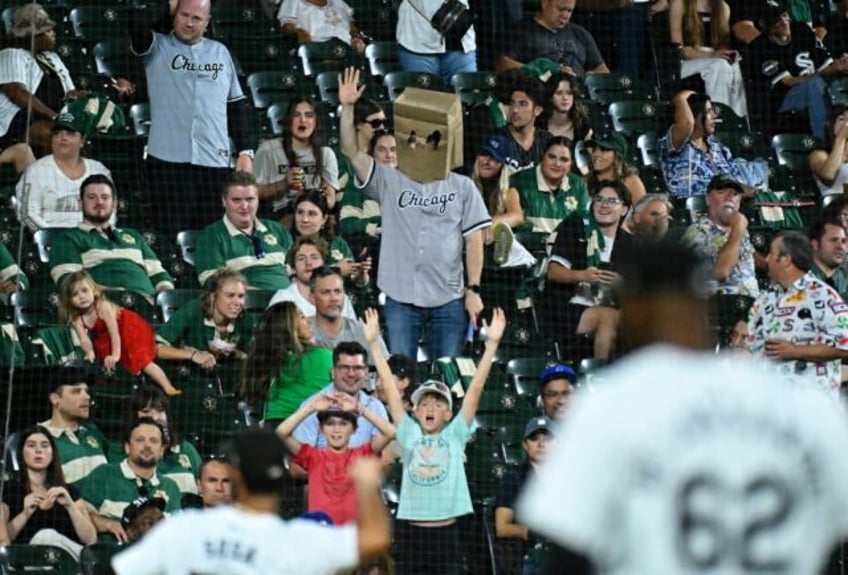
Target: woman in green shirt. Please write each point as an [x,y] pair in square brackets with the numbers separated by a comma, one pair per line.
[284,367]
[211,329]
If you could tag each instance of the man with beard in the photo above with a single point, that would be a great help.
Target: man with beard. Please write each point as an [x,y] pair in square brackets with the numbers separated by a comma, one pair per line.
[111,488]
[82,446]
[689,151]
[828,239]
[329,326]
[117,258]
[721,237]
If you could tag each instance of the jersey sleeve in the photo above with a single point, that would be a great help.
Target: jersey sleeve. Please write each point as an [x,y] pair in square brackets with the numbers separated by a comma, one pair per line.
[330,163]
[475,216]
[836,318]
[173,332]
[306,456]
[340,545]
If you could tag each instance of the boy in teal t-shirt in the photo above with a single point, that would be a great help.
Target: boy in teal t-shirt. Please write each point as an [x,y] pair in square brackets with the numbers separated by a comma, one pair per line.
[434,490]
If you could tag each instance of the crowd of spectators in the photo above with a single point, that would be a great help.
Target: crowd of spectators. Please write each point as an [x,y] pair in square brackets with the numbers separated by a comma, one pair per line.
[306,223]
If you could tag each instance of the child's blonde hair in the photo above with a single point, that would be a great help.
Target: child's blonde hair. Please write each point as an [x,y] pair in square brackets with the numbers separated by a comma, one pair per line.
[67,312]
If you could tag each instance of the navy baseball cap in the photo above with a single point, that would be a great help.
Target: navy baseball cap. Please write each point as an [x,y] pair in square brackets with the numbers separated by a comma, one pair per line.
[499,148]
[722,181]
[557,371]
[537,424]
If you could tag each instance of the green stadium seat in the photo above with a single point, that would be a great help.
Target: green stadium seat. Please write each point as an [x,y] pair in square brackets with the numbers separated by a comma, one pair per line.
[382,58]
[744,144]
[241,19]
[276,116]
[616,87]
[187,242]
[93,24]
[696,206]
[793,150]
[647,146]
[133,301]
[171,300]
[635,117]
[36,307]
[474,87]
[44,239]
[140,116]
[328,87]
[95,559]
[268,87]
[397,82]
[264,52]
[77,59]
[727,119]
[37,560]
[332,55]
[524,373]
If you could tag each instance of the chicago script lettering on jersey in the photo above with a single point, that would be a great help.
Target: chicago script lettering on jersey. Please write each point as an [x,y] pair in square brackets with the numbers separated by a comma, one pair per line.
[413,199]
[181,62]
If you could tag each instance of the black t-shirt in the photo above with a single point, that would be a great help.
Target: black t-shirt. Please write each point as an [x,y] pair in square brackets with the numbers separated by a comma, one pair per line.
[54,518]
[771,63]
[526,159]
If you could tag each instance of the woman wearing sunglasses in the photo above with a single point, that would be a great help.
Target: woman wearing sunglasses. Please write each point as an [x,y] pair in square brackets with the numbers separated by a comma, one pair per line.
[360,219]
[578,295]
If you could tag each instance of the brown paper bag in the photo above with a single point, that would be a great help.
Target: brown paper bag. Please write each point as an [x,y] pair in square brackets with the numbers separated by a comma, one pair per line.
[428,128]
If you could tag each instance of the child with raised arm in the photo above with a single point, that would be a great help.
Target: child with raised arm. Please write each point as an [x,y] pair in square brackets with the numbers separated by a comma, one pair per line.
[331,489]
[434,490]
[109,332]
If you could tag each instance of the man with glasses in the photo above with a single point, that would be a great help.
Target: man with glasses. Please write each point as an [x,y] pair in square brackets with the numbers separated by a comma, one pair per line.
[256,248]
[110,488]
[721,237]
[330,326]
[350,373]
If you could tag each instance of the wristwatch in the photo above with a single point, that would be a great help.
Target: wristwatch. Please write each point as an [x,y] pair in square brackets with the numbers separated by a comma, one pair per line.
[474,287]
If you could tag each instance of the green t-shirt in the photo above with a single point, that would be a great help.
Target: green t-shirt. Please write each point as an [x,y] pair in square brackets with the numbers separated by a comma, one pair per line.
[544,208]
[111,487]
[297,381]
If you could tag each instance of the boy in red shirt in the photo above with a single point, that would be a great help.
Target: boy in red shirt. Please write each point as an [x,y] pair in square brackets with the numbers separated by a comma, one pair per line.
[331,489]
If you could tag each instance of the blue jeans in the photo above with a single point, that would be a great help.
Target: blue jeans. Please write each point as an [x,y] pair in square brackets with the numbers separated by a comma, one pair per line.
[444,65]
[445,328]
[810,96]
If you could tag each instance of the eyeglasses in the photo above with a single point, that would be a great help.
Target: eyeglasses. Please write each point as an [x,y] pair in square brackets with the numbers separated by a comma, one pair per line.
[351,368]
[607,201]
[258,247]
[375,123]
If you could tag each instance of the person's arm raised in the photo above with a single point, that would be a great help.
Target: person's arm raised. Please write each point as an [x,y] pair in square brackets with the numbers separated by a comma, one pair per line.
[371,329]
[320,402]
[494,333]
[349,94]
[372,520]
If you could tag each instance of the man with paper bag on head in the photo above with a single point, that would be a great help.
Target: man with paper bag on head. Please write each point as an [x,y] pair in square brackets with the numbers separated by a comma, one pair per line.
[429,215]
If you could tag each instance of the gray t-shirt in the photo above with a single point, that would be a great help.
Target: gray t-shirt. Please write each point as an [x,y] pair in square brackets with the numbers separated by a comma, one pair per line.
[572,46]
[352,331]
[424,229]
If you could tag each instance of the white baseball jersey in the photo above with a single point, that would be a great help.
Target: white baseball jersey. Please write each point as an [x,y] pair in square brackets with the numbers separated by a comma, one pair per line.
[684,463]
[229,541]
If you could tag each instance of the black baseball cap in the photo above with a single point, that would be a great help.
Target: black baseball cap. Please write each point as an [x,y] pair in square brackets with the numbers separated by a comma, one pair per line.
[68,375]
[134,509]
[775,9]
[722,181]
[258,455]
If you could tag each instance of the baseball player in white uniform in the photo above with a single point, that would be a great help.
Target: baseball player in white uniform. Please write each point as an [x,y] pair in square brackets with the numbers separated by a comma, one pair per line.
[685,463]
[249,538]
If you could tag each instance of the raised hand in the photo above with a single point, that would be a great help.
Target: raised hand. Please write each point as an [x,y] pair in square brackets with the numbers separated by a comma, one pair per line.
[346,402]
[371,325]
[495,330]
[323,402]
[349,89]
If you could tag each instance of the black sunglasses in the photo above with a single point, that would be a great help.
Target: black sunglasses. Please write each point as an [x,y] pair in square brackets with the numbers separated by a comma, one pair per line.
[375,123]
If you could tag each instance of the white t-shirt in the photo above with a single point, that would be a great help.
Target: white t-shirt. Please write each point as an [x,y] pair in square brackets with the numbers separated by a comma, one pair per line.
[684,463]
[47,198]
[19,66]
[291,293]
[322,22]
[228,541]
